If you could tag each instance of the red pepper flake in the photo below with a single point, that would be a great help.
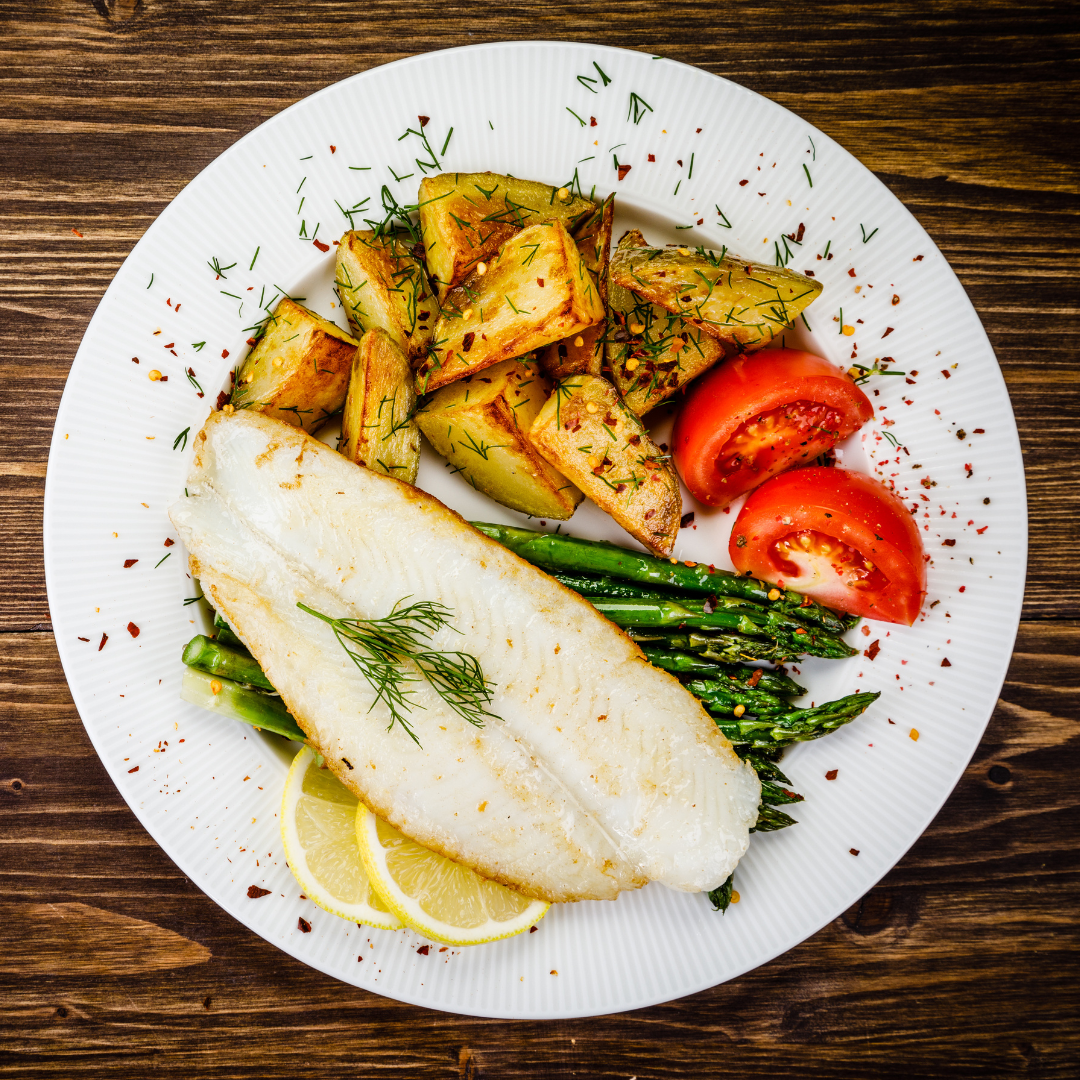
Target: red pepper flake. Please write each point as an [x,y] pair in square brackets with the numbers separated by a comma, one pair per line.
[423,950]
[743,183]
[251,340]
[652,157]
[134,359]
[254,892]
[963,588]
[948,543]
[333,149]
[946,373]
[698,131]
[799,235]
[532,929]
[592,121]
[623,170]
[679,162]
[359,959]
[424,121]
[945,662]
[320,245]
[303,926]
[832,774]
[982,530]
[754,679]
[169,541]
[101,644]
[978,431]
[540,282]
[222,400]
[224,354]
[467,342]
[136,769]
[77,233]
[854,850]
[851,272]
[133,630]
[888,331]
[84,639]
[918,258]
[701,221]
[761,193]
[800,631]
[875,648]
[128,563]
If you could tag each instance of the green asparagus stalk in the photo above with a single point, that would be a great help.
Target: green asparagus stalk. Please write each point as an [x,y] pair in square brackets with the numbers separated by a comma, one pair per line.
[225,634]
[554,552]
[211,656]
[775,795]
[800,725]
[771,819]
[726,648]
[612,587]
[699,614]
[766,769]
[723,699]
[687,664]
[237,702]
[721,898]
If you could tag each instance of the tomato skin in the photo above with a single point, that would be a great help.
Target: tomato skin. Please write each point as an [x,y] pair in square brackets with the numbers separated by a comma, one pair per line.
[744,387]
[850,507]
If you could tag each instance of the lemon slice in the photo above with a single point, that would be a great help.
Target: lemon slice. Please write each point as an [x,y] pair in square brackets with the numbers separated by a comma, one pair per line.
[318,829]
[436,896]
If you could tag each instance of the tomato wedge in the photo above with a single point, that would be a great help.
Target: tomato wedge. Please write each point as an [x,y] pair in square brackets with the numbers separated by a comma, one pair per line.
[838,536]
[755,416]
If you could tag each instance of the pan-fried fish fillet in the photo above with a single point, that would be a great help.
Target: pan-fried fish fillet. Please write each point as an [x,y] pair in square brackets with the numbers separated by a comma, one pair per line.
[602,773]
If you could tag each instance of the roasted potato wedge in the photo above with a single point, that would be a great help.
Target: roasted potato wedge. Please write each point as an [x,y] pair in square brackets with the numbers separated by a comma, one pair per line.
[298,371]
[535,291]
[589,435]
[479,425]
[383,284]
[466,217]
[735,301]
[650,352]
[593,239]
[377,427]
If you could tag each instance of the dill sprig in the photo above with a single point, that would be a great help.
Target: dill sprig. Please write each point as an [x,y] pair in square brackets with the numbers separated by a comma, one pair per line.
[389,651]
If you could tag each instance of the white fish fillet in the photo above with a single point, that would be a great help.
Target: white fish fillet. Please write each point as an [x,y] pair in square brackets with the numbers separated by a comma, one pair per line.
[603,773]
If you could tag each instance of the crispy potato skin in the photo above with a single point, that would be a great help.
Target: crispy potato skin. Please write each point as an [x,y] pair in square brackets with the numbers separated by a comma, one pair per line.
[593,239]
[376,428]
[383,285]
[535,291]
[588,434]
[298,371]
[737,302]
[466,217]
[650,364]
[479,425]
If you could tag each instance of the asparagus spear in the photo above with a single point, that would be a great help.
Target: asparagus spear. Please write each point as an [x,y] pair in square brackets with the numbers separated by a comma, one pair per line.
[746,620]
[800,725]
[766,769]
[587,585]
[724,699]
[683,663]
[775,795]
[211,656]
[721,898]
[770,819]
[727,648]
[225,633]
[551,551]
[239,703]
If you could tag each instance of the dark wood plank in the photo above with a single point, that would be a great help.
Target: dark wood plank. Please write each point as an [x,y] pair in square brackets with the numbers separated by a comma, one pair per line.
[963,962]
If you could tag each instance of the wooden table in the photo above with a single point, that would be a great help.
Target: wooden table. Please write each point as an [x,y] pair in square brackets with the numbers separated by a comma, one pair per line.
[962,962]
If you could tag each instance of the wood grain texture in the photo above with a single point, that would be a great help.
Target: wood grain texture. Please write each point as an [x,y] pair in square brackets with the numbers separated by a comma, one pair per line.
[963,962]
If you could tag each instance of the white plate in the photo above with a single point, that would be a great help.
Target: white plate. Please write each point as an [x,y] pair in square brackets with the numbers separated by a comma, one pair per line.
[208,791]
